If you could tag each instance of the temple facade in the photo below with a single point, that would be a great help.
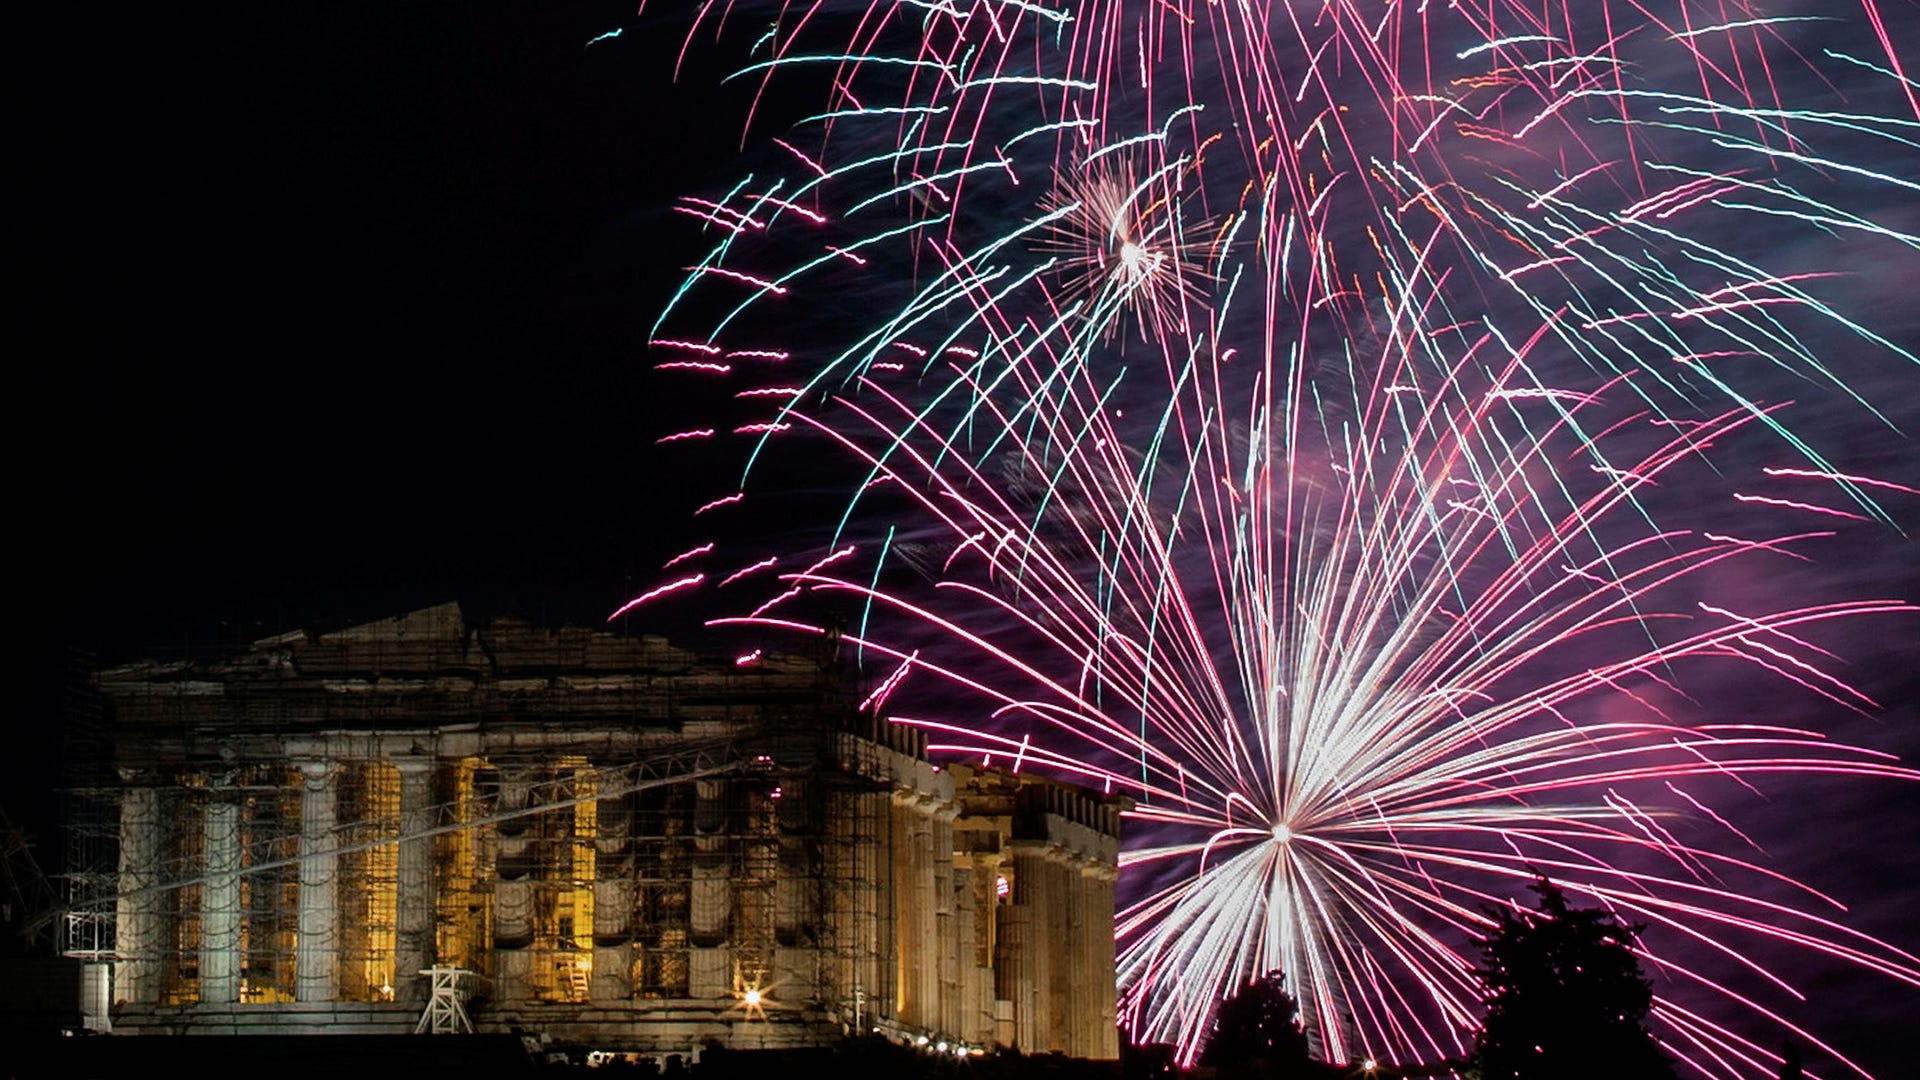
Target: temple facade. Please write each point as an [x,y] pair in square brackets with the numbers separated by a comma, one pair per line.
[601,838]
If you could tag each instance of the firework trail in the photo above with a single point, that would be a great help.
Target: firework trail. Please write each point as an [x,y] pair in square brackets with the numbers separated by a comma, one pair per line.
[1334,427]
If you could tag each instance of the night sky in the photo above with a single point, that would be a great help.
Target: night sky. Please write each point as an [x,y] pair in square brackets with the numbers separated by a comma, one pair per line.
[334,311]
[347,308]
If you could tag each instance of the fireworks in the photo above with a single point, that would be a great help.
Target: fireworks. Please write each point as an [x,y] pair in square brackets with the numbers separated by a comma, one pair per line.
[1317,424]
[1120,243]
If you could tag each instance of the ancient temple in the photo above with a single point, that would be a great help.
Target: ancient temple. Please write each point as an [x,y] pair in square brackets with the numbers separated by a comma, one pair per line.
[598,837]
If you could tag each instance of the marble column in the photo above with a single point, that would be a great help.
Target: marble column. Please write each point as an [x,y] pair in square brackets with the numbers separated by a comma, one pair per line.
[1024,955]
[1059,1006]
[136,944]
[712,897]
[925,961]
[613,900]
[709,973]
[319,884]
[414,945]
[878,888]
[517,868]
[1103,984]
[841,920]
[220,905]
[1081,1005]
[946,927]
[963,994]
[916,957]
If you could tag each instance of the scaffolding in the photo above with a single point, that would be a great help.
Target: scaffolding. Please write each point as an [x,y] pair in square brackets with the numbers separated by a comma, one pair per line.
[313,833]
[91,811]
[224,865]
[446,1011]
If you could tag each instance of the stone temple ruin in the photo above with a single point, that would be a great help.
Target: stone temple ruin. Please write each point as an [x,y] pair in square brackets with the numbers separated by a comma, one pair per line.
[597,837]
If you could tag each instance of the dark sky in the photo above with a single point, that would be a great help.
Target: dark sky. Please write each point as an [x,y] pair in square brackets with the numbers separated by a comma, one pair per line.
[332,311]
[343,308]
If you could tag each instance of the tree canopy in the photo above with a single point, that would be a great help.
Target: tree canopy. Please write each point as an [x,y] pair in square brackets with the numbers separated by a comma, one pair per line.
[1257,1032]
[1564,997]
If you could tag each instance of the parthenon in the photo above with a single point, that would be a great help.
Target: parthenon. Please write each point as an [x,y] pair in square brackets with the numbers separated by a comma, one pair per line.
[599,837]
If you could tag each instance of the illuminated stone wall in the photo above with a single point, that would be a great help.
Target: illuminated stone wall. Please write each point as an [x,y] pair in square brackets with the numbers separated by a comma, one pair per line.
[630,847]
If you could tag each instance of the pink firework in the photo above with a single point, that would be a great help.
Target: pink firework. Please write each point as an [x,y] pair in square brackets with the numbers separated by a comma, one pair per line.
[1437,523]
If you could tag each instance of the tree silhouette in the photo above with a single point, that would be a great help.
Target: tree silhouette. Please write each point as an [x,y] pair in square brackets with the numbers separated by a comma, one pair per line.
[1564,996]
[1257,1033]
[1790,1061]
